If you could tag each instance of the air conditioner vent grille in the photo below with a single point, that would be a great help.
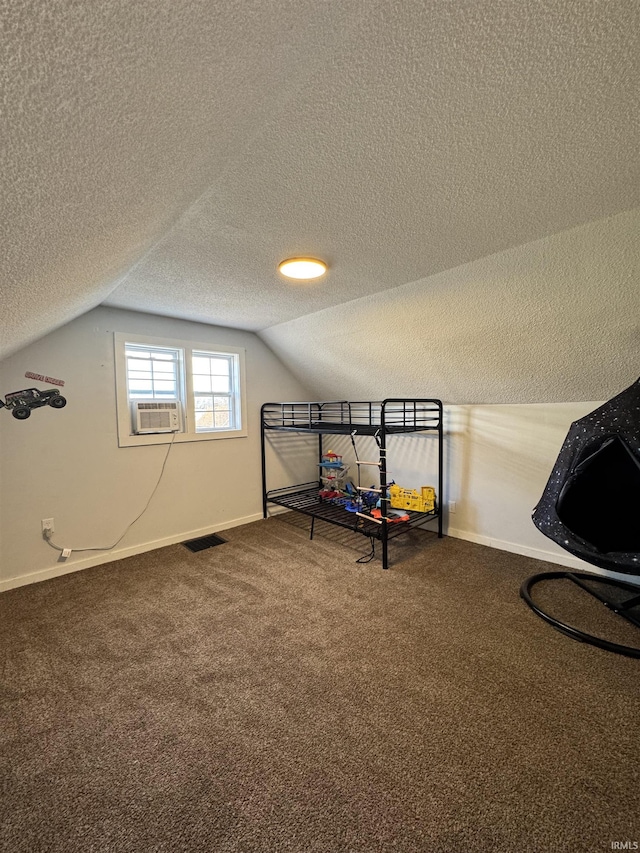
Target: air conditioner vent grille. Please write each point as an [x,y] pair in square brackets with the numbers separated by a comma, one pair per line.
[158,406]
[156,416]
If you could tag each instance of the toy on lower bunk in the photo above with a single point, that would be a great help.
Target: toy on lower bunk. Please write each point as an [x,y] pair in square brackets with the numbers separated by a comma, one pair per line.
[371,503]
[354,502]
[331,460]
[333,480]
[401,500]
[422,501]
[363,500]
[393,517]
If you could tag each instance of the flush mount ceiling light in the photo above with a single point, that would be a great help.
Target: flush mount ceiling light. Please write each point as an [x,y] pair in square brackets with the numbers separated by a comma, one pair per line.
[302,268]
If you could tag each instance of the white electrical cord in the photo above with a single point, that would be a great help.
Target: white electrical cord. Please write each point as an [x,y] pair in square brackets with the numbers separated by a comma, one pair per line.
[66,552]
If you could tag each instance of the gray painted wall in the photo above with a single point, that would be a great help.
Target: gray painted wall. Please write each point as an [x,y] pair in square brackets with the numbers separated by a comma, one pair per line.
[67,465]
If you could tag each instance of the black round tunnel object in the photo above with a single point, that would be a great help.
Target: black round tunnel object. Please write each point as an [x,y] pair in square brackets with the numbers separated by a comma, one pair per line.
[600,501]
[591,508]
[591,503]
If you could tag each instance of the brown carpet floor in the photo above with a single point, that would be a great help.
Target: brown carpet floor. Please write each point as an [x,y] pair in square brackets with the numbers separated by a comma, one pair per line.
[270,694]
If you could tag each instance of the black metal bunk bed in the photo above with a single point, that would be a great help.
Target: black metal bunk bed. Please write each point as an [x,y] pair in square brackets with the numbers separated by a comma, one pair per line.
[378,419]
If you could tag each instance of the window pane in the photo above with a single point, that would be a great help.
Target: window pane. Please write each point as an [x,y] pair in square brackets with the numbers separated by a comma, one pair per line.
[204,420]
[220,383]
[152,372]
[137,364]
[215,381]
[212,362]
[220,366]
[200,364]
[138,386]
[204,404]
[202,383]
[213,412]
[164,369]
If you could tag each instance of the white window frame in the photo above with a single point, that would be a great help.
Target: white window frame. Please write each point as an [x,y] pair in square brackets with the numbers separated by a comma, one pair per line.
[234,395]
[126,436]
[180,372]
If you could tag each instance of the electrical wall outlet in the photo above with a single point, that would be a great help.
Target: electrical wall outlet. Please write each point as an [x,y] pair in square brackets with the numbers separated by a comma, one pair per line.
[47,526]
[452,506]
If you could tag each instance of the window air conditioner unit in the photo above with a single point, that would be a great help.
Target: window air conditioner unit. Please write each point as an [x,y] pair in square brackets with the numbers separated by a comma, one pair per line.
[156,416]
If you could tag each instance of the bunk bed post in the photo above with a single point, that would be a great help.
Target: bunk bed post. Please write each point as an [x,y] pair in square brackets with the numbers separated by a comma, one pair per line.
[264,465]
[313,518]
[440,466]
[384,502]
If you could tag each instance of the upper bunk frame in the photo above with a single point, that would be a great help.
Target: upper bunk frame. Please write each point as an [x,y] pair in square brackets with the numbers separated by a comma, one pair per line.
[344,417]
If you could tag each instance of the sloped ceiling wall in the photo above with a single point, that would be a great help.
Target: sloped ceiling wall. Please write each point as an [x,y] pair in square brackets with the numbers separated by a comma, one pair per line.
[164,155]
[557,320]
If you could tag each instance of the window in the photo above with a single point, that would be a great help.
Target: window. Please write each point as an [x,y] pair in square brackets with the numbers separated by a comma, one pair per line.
[203,383]
[153,373]
[215,391]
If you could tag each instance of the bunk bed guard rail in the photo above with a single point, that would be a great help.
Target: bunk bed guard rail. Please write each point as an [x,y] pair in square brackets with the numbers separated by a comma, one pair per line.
[391,415]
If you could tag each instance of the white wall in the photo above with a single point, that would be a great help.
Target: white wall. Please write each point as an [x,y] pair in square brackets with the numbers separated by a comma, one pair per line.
[499,459]
[66,464]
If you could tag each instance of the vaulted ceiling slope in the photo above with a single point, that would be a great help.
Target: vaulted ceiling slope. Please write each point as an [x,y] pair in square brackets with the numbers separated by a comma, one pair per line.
[164,155]
[554,321]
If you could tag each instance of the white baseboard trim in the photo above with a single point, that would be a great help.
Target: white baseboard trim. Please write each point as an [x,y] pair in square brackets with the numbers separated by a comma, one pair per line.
[515,548]
[66,567]
[276,509]
[566,560]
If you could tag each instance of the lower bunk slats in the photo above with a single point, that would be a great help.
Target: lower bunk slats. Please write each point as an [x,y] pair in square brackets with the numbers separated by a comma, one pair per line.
[305,499]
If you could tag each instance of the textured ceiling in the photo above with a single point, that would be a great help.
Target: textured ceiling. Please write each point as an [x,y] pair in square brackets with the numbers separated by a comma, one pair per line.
[164,155]
[556,320]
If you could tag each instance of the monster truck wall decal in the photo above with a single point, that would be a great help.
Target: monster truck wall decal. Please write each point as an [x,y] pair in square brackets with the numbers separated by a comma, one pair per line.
[20,403]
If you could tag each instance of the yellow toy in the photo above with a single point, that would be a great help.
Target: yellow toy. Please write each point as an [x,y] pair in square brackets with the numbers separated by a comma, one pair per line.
[422,501]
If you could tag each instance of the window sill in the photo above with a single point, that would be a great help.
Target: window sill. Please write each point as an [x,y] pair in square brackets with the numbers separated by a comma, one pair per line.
[180,437]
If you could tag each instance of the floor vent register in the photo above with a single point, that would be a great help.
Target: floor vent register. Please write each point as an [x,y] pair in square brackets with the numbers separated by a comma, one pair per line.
[204,542]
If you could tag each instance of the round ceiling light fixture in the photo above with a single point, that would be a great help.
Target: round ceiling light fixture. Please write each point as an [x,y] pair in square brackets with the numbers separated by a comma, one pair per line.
[302,268]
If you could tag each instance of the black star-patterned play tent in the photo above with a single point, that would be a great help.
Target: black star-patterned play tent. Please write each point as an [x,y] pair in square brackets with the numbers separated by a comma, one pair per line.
[591,508]
[591,504]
